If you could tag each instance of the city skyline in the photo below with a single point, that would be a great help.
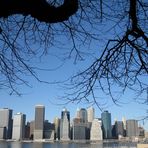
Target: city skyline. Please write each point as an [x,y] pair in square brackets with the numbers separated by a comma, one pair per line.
[69,117]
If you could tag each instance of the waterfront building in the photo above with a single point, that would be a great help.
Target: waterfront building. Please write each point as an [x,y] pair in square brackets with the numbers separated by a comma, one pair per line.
[83,115]
[79,129]
[18,126]
[31,134]
[57,128]
[90,114]
[96,130]
[49,129]
[132,128]
[39,122]
[65,125]
[6,123]
[106,125]
[119,128]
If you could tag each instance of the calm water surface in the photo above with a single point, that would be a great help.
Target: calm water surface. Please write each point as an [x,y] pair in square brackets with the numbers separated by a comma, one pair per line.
[65,145]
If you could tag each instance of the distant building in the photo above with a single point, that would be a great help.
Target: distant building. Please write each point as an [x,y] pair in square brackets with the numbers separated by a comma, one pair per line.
[119,129]
[49,130]
[65,125]
[39,122]
[19,126]
[31,134]
[6,123]
[106,125]
[132,128]
[96,130]
[141,132]
[90,114]
[57,128]
[83,115]
[79,129]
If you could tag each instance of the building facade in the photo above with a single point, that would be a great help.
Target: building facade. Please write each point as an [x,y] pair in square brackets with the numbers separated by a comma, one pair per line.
[79,129]
[65,125]
[18,132]
[96,130]
[39,122]
[90,114]
[132,128]
[106,125]
[6,123]
[83,115]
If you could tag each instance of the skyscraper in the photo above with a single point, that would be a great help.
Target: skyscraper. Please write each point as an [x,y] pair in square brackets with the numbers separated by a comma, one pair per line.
[57,128]
[6,123]
[79,129]
[19,126]
[65,125]
[83,115]
[39,122]
[90,114]
[132,128]
[96,130]
[106,125]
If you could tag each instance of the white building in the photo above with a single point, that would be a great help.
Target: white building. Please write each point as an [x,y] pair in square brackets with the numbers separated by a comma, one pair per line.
[90,114]
[64,128]
[6,123]
[18,131]
[96,131]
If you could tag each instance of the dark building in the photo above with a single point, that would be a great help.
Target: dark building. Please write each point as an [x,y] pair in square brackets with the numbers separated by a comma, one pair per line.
[106,125]
[39,122]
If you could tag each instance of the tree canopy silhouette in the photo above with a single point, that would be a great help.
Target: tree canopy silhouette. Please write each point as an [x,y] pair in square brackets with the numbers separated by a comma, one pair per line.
[120,26]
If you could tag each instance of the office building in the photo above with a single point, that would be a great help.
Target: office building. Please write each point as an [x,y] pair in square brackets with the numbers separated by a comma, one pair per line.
[65,125]
[106,125]
[83,115]
[90,114]
[79,129]
[132,128]
[6,123]
[39,122]
[57,128]
[96,130]
[18,132]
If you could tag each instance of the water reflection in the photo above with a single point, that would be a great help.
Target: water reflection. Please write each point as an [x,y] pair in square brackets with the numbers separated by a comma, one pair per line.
[65,145]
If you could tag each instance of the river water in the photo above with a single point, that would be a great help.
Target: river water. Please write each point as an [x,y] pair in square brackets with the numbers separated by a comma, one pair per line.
[4,144]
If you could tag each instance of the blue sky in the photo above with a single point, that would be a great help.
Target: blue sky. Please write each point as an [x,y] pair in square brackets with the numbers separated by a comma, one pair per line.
[61,69]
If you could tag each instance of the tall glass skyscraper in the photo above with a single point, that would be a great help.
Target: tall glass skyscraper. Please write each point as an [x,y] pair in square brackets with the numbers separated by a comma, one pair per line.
[83,115]
[6,123]
[39,122]
[106,125]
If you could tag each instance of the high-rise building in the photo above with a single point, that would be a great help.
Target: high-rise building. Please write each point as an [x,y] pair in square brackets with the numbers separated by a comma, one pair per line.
[132,128]
[65,125]
[57,128]
[90,114]
[83,115]
[31,134]
[96,130]
[6,123]
[118,129]
[39,122]
[106,125]
[19,126]
[79,129]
